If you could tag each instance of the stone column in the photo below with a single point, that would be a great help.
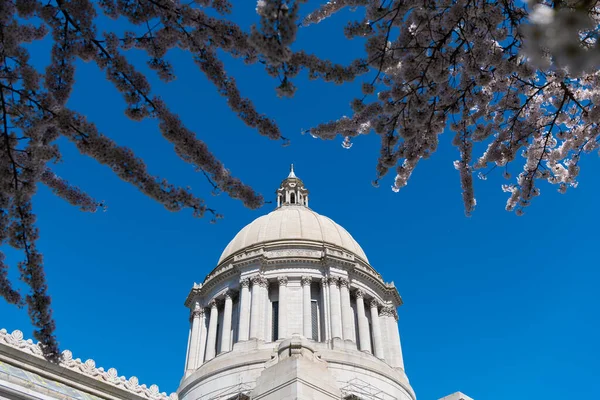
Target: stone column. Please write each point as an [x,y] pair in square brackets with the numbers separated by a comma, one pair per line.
[255,310]
[227,315]
[211,342]
[377,342]
[306,307]
[192,358]
[334,302]
[282,310]
[244,319]
[264,301]
[363,323]
[325,308]
[347,320]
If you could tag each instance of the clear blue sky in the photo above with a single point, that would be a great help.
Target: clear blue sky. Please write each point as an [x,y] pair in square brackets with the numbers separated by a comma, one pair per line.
[496,306]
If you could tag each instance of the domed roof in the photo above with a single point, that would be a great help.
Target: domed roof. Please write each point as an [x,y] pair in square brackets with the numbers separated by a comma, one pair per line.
[293,222]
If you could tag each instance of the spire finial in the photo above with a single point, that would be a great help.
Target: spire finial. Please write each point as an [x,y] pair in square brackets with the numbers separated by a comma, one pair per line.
[292,175]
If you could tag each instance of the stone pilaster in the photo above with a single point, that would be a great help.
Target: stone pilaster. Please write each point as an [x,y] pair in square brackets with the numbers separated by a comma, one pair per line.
[264,301]
[192,359]
[363,323]
[395,348]
[282,310]
[211,342]
[227,316]
[375,325]
[325,308]
[385,317]
[347,320]
[187,350]
[335,310]
[244,319]
[306,307]
[255,309]
[203,336]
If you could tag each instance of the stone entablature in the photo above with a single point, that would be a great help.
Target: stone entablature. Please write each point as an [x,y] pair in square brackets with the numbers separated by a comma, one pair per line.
[74,372]
[266,257]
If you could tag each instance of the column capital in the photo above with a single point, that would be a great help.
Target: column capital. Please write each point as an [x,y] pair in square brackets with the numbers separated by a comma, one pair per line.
[229,294]
[324,281]
[387,311]
[333,280]
[213,303]
[256,279]
[245,282]
[344,282]
[196,313]
[359,293]
[283,280]
[264,282]
[306,280]
[374,303]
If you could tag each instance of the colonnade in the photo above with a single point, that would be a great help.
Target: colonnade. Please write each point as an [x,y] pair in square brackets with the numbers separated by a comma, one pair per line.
[380,338]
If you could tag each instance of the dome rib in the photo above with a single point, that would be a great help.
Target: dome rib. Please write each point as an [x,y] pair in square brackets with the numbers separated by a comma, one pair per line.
[289,223]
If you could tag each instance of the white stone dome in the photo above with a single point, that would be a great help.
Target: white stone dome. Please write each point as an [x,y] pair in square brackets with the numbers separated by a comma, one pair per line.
[293,223]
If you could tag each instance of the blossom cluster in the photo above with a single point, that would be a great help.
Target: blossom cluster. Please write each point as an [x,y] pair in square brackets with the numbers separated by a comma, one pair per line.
[521,78]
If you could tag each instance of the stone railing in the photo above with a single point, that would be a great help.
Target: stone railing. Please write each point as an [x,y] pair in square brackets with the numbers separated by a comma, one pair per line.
[87,368]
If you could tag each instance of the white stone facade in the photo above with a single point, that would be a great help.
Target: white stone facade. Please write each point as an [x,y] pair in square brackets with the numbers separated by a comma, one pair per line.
[307,305]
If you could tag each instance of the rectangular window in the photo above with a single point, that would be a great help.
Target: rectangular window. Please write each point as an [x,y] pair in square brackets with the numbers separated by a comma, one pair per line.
[275,321]
[314,311]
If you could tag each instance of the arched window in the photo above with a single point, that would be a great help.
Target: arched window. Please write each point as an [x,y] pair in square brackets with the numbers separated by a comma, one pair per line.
[292,198]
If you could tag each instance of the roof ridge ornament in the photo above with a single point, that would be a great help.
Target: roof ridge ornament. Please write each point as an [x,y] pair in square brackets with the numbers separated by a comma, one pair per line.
[87,368]
[292,191]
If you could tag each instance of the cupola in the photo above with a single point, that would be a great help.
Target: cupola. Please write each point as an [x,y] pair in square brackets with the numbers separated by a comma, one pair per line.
[292,191]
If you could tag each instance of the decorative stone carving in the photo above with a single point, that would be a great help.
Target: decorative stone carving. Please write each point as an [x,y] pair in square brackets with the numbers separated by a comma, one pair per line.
[324,281]
[256,279]
[333,280]
[387,311]
[306,280]
[295,253]
[359,293]
[344,282]
[87,368]
[245,282]
[264,282]
[283,280]
[199,312]
[374,303]
[213,303]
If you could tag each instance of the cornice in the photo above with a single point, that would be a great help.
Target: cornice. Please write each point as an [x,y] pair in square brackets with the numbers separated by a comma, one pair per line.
[286,252]
[88,368]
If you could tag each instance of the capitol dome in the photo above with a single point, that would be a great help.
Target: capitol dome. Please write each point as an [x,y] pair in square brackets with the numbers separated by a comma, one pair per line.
[293,223]
[293,310]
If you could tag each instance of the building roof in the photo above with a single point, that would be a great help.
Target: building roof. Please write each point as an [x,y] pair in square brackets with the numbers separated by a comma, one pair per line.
[25,374]
[293,222]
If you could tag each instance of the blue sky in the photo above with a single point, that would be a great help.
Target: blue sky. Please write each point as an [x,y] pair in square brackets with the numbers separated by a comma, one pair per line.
[496,306]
